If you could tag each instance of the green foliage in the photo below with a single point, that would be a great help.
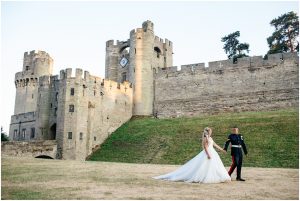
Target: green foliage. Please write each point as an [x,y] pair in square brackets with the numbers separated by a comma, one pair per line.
[284,38]
[4,137]
[233,48]
[271,138]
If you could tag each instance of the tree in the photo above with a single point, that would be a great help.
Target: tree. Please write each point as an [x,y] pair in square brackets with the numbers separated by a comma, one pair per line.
[284,38]
[4,137]
[233,48]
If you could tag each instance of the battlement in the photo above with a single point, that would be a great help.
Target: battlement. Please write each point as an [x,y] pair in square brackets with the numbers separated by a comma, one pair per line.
[117,44]
[245,62]
[166,42]
[37,62]
[23,75]
[36,53]
[146,26]
[23,79]
[67,74]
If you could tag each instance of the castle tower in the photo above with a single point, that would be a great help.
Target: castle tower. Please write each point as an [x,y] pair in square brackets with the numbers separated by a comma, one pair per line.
[25,123]
[35,65]
[146,54]
[142,41]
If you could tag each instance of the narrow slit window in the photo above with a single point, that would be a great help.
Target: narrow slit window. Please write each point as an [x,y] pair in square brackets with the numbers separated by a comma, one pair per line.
[124,77]
[70,135]
[72,92]
[32,133]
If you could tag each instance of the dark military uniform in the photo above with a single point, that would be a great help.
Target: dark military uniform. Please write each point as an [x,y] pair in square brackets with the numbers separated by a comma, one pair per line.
[237,143]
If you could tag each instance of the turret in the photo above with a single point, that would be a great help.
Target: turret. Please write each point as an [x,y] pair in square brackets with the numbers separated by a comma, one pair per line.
[35,65]
[142,40]
[148,26]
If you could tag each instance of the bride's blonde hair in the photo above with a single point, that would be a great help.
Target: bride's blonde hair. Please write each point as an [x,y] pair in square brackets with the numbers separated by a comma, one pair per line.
[205,136]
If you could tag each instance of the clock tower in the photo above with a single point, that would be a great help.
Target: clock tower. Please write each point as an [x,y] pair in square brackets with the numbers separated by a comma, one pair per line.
[136,61]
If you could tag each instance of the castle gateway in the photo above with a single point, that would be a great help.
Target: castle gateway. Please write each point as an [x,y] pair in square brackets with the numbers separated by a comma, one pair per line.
[80,112]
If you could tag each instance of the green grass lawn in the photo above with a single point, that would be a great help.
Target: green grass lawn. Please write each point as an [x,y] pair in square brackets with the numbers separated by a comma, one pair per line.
[272,139]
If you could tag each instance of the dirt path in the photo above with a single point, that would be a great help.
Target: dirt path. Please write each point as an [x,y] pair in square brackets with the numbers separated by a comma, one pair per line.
[27,178]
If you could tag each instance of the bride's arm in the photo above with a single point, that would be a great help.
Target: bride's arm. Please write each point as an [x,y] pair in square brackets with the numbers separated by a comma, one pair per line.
[206,150]
[215,144]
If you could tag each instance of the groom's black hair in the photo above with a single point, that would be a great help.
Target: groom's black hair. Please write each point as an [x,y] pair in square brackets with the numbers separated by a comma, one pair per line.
[234,126]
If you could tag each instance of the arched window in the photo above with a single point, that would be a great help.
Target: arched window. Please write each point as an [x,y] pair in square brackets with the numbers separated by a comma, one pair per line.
[124,51]
[157,51]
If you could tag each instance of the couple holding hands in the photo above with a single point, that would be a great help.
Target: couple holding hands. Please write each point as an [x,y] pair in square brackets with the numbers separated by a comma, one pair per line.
[207,167]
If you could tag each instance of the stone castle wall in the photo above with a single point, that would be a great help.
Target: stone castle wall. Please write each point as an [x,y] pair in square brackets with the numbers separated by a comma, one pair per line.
[252,84]
[22,126]
[89,110]
[29,149]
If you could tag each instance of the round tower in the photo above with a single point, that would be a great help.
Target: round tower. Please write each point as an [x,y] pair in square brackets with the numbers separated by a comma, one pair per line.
[35,65]
[141,41]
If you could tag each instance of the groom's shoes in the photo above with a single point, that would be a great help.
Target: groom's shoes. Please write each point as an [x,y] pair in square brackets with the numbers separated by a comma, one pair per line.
[240,179]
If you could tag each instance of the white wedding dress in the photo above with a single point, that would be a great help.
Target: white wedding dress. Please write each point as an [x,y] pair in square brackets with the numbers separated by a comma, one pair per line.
[200,169]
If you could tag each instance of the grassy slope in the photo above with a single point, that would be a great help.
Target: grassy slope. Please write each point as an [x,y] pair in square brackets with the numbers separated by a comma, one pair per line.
[272,139]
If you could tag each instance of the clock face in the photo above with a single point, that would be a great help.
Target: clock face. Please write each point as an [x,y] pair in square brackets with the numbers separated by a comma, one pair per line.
[123,62]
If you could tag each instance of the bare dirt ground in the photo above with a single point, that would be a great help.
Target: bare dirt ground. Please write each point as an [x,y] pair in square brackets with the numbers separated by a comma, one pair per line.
[29,178]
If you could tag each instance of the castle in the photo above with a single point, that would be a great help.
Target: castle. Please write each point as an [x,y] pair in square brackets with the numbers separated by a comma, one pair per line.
[79,112]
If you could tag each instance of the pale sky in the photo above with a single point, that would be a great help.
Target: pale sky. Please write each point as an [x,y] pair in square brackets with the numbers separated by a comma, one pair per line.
[74,33]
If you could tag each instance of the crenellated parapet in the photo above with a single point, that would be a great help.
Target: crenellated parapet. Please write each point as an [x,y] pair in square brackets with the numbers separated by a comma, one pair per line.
[252,63]
[120,45]
[90,80]
[136,33]
[166,43]
[24,82]
[36,53]
[37,63]
[34,56]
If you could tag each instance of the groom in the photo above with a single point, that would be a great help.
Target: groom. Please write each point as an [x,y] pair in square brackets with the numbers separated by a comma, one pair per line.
[237,143]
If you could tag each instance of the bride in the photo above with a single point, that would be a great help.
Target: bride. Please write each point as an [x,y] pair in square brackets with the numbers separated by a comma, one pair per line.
[206,167]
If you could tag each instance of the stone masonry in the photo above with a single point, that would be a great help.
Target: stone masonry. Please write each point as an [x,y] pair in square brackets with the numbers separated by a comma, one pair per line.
[251,84]
[79,112]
